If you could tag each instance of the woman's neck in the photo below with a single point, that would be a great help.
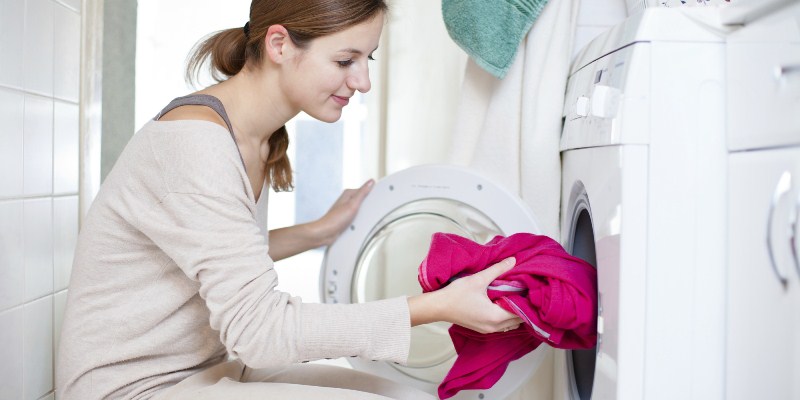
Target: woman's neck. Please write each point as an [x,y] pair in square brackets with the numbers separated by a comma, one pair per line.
[255,105]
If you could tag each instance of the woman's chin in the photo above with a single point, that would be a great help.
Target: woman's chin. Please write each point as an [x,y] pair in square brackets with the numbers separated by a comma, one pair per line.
[329,116]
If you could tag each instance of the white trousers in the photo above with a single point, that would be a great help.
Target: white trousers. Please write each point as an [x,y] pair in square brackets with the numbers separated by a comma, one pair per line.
[232,380]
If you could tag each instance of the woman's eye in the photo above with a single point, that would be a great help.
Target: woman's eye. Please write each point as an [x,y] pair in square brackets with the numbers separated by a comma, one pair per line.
[371,58]
[345,63]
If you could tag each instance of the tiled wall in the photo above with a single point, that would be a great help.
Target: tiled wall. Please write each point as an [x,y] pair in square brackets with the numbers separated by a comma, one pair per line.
[39,148]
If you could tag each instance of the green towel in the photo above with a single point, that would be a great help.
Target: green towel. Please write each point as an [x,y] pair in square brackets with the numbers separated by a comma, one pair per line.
[490,31]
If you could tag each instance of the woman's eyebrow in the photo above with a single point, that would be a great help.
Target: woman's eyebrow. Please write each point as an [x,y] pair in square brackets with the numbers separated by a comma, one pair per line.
[351,50]
[355,51]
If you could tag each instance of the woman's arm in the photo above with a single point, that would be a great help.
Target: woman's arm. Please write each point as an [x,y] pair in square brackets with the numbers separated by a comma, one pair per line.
[464,302]
[292,240]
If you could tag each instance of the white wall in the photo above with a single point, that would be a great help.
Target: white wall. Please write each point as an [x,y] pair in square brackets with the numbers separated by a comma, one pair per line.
[422,83]
[166,32]
[598,16]
[39,146]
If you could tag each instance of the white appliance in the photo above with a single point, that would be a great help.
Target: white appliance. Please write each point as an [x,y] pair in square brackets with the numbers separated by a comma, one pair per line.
[763,280]
[683,194]
[643,199]
[378,257]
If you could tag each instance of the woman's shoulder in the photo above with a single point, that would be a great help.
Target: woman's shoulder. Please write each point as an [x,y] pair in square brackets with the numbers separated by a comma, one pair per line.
[189,138]
[196,133]
[193,147]
[194,113]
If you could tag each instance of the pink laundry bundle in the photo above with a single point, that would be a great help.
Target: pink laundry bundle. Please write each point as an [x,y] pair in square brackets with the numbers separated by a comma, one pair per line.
[553,292]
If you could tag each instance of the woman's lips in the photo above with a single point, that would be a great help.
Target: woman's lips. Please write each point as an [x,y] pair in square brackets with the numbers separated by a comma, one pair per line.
[342,101]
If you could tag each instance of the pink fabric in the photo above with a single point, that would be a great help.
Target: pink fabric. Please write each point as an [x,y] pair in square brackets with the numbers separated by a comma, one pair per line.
[553,292]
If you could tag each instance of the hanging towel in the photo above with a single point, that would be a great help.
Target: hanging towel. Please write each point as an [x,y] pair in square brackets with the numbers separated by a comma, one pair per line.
[553,292]
[490,31]
[509,129]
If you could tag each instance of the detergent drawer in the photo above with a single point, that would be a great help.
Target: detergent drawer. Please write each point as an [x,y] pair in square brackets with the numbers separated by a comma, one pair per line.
[763,65]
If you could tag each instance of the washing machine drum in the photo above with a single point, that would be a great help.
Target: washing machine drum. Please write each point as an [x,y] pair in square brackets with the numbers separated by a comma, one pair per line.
[378,258]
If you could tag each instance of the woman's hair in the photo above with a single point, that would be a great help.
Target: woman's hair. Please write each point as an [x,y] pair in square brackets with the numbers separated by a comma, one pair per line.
[229,50]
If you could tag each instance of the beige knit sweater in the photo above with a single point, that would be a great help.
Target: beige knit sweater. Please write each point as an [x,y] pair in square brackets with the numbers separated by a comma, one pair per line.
[171,275]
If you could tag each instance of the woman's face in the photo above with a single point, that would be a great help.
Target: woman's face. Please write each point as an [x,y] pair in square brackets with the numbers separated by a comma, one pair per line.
[323,77]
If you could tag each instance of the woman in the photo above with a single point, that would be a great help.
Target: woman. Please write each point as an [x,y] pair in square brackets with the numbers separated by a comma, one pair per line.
[172,278]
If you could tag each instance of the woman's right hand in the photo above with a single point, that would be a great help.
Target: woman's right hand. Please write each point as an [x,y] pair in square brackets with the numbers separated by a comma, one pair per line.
[464,302]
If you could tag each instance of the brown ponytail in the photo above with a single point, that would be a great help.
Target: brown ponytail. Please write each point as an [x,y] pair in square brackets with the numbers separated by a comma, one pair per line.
[230,50]
[279,170]
[227,52]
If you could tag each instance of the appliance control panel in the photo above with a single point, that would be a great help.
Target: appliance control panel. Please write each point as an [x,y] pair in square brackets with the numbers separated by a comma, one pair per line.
[604,95]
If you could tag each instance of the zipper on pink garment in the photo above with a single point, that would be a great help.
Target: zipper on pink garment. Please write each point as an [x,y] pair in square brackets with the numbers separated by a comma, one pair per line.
[522,315]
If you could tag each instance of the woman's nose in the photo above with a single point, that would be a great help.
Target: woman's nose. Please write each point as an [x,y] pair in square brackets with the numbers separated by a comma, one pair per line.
[359,80]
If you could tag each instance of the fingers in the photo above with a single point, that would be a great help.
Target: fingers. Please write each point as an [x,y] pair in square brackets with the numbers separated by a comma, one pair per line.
[509,328]
[364,190]
[356,195]
[505,325]
[359,193]
[508,325]
[491,273]
[367,185]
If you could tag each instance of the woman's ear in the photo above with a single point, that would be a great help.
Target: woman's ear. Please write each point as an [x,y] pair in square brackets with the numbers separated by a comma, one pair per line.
[277,43]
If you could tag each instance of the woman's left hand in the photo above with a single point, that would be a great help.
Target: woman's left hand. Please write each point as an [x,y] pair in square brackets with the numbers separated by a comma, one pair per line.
[342,212]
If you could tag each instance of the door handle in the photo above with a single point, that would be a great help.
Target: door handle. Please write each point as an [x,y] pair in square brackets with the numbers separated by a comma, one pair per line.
[783,187]
[782,72]
[794,228]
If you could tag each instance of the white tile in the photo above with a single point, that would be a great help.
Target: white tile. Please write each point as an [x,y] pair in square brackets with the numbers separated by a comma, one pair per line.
[12,107]
[37,155]
[38,247]
[66,147]
[12,268]
[12,14]
[67,57]
[37,349]
[38,41]
[65,237]
[11,353]
[59,304]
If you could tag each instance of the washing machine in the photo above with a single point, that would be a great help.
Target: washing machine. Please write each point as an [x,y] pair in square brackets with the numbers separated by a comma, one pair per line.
[643,171]
[379,256]
[643,200]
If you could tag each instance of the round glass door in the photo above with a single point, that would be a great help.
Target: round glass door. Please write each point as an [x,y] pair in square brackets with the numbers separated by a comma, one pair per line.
[388,265]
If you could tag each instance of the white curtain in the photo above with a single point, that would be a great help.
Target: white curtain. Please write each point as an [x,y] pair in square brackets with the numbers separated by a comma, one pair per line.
[419,85]
[510,129]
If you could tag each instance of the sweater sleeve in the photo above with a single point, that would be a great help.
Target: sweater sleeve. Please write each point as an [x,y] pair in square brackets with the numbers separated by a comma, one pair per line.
[205,223]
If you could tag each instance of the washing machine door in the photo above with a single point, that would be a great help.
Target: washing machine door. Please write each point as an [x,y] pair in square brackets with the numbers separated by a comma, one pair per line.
[379,256]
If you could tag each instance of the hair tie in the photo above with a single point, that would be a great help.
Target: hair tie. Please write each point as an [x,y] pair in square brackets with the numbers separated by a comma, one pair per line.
[246,29]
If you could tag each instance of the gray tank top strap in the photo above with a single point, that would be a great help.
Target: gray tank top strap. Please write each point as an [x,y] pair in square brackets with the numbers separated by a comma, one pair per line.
[198,100]
[202,100]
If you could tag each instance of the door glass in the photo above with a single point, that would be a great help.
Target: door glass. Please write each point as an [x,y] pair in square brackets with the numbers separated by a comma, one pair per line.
[389,263]
[583,362]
